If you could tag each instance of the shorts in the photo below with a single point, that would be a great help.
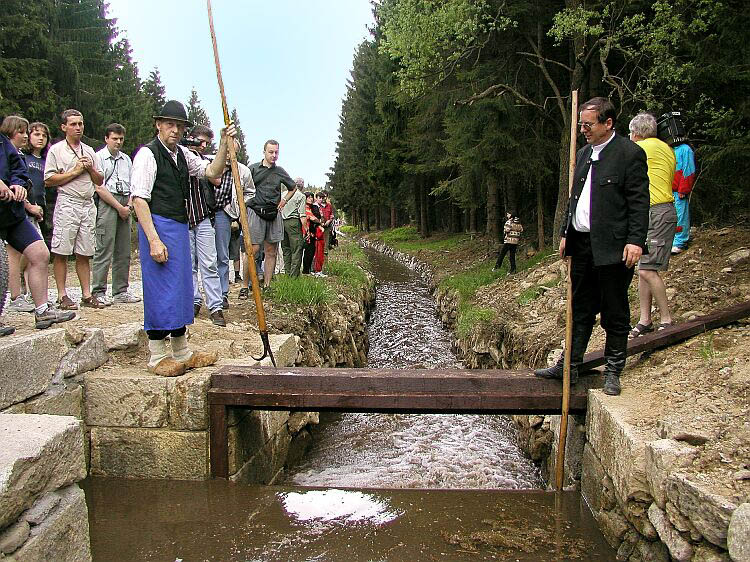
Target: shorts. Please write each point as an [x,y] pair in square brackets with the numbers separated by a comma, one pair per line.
[235,241]
[261,230]
[21,235]
[662,222]
[74,226]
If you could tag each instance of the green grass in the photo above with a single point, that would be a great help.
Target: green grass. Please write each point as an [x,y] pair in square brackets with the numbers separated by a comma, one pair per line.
[302,290]
[468,282]
[707,350]
[470,316]
[407,239]
[532,293]
[347,262]
[348,229]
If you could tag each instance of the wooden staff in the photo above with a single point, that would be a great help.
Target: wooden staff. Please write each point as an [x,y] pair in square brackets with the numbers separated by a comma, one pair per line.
[241,202]
[560,462]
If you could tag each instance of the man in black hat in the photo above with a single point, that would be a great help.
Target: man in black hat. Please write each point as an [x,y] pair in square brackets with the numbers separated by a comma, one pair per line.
[160,188]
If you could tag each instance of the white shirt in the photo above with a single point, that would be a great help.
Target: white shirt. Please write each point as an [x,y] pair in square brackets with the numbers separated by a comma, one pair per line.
[582,218]
[116,169]
[144,169]
[62,158]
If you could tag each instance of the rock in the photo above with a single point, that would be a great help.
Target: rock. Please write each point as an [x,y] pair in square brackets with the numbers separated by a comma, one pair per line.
[738,536]
[613,525]
[39,354]
[619,446]
[41,509]
[74,333]
[127,400]
[707,553]
[63,535]
[188,406]
[679,548]
[739,257]
[58,401]
[652,551]
[708,512]
[662,457]
[667,430]
[87,356]
[39,454]
[742,475]
[298,420]
[671,292]
[727,270]
[549,279]
[14,536]
[691,314]
[124,336]
[149,453]
[682,523]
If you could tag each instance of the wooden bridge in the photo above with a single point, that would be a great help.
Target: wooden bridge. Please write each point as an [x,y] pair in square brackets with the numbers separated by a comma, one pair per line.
[444,391]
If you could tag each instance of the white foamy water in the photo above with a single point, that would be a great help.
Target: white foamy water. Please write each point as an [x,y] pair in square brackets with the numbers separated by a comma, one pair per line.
[414,450]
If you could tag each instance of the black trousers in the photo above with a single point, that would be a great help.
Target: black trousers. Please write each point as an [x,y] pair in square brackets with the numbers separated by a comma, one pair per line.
[161,334]
[308,253]
[599,290]
[509,249]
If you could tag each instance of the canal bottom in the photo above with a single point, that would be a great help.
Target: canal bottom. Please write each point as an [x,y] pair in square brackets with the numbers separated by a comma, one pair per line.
[218,520]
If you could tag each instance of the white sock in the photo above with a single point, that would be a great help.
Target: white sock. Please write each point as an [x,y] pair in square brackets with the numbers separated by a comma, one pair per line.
[180,349]
[41,309]
[158,349]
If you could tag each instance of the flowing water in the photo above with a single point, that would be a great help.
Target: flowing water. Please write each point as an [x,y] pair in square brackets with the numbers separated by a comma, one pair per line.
[375,487]
[410,450]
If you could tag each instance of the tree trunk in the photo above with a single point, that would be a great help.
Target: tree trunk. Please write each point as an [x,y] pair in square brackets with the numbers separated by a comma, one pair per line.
[418,204]
[539,213]
[378,222]
[394,216]
[367,219]
[493,228]
[424,209]
[472,220]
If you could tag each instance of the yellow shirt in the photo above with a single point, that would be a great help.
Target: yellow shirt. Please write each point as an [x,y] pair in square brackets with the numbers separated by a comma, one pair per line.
[661,167]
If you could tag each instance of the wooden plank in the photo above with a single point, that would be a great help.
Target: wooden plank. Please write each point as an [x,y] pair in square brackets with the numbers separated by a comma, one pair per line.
[675,334]
[218,444]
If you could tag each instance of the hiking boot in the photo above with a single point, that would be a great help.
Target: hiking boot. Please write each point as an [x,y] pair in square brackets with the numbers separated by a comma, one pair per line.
[244,294]
[126,298]
[6,330]
[611,384]
[92,302]
[196,309]
[19,304]
[217,317]
[51,316]
[225,303]
[578,344]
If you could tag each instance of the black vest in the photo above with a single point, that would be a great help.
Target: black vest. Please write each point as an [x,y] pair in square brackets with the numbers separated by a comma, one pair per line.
[172,184]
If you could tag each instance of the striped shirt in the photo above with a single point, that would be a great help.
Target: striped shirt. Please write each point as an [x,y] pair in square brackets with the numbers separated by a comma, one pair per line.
[224,191]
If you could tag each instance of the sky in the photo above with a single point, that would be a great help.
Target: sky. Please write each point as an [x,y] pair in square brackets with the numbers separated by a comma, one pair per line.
[285,64]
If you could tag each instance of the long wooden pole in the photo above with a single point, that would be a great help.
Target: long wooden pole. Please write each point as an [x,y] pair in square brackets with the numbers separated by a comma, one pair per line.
[560,462]
[241,202]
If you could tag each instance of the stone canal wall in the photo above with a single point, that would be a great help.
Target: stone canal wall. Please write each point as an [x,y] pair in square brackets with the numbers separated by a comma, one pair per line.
[647,505]
[43,513]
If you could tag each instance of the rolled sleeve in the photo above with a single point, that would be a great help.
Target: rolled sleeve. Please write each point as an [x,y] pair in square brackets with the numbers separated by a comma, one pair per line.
[144,174]
[196,165]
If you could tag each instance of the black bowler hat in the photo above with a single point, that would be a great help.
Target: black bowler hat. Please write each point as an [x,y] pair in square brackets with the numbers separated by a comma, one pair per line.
[175,111]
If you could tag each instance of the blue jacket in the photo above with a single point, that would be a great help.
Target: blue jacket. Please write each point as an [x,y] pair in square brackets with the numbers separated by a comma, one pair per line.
[12,172]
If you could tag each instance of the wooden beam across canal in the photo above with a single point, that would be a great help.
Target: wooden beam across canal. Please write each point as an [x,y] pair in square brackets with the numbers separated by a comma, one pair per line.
[416,391]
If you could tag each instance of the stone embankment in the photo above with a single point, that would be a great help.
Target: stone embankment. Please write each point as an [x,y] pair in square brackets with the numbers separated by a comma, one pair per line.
[77,400]
[641,483]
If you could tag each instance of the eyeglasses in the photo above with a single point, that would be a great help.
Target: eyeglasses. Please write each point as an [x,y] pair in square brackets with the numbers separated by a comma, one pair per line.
[585,126]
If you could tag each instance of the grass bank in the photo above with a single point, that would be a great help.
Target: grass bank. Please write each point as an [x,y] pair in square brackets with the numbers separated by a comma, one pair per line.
[463,263]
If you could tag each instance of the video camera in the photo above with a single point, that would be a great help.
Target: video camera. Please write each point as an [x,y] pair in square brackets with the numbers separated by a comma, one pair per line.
[671,129]
[189,141]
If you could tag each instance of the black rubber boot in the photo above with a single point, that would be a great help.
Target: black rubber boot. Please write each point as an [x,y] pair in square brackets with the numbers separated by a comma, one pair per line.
[615,353]
[581,336]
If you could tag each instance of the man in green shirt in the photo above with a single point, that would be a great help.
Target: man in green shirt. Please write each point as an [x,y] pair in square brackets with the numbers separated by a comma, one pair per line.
[295,221]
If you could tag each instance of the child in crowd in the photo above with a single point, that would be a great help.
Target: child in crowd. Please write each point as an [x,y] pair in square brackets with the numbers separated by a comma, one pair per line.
[513,229]
[36,155]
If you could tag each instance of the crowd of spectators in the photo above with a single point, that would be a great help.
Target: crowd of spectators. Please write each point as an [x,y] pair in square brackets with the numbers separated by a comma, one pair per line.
[78,202]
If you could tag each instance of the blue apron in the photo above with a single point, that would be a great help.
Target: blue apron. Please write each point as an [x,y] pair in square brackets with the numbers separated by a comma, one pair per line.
[167,287]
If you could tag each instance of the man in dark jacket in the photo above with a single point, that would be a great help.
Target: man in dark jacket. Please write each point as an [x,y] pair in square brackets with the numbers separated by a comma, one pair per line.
[605,235]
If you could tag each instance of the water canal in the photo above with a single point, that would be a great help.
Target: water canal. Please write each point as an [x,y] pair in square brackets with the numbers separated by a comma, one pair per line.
[374,486]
